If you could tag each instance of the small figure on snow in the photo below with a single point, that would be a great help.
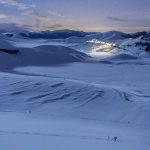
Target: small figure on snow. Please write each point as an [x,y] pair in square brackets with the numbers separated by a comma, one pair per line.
[115,138]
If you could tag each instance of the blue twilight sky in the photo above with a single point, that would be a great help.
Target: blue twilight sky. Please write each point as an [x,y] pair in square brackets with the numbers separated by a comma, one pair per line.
[87,15]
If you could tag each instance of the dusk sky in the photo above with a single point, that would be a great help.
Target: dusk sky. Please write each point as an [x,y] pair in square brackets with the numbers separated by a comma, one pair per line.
[87,15]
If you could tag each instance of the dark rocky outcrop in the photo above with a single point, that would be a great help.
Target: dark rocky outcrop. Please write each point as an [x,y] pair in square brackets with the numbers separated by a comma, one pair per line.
[135,35]
[9,51]
[147,49]
[9,35]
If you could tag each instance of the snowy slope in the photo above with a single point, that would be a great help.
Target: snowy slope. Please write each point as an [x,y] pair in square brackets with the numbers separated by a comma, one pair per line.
[39,56]
[81,94]
[4,43]
[75,98]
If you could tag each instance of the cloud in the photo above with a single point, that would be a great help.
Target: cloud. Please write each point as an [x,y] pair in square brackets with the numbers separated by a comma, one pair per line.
[3,16]
[42,22]
[9,27]
[18,5]
[35,15]
[55,14]
[116,19]
[13,20]
[37,23]
[43,26]
[54,26]
[39,19]
[57,26]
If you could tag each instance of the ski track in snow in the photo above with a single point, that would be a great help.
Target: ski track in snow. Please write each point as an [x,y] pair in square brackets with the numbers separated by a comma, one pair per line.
[82,137]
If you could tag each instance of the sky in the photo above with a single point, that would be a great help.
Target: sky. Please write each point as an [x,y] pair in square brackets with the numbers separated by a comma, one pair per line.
[86,15]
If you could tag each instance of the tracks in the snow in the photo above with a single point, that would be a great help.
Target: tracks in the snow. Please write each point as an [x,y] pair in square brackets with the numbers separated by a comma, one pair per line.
[26,133]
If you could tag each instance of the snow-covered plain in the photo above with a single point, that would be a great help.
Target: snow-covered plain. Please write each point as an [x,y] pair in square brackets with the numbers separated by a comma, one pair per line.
[77,106]
[31,131]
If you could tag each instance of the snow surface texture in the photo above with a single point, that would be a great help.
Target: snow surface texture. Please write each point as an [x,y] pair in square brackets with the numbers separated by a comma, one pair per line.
[83,105]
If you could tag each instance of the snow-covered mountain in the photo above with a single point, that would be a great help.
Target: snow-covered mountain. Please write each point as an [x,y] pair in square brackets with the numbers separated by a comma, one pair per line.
[137,43]
[58,34]
[94,44]
[118,43]
[108,36]
[70,34]
[11,27]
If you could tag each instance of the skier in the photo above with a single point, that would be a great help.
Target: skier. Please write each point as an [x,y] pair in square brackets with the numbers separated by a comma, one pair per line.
[115,138]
